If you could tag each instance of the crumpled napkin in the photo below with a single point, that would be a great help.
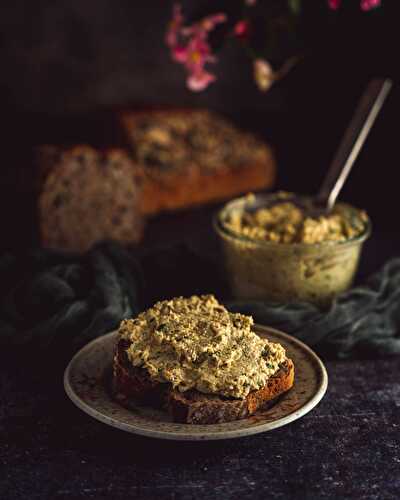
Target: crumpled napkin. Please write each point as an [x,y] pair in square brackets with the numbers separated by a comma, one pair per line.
[52,301]
[55,302]
[362,321]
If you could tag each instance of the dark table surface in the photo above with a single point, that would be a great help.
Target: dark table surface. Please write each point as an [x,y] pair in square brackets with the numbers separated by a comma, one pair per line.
[347,447]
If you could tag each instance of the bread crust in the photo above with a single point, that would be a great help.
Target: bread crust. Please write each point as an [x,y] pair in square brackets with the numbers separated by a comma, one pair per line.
[133,385]
[193,184]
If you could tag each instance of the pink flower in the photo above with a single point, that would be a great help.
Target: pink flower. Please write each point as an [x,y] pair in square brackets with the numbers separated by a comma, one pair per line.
[264,75]
[334,4]
[250,3]
[203,27]
[369,4]
[200,80]
[189,46]
[179,54]
[174,27]
[210,22]
[365,5]
[241,29]
[198,53]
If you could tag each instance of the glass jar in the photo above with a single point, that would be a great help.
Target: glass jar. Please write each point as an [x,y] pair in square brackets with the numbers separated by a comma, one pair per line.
[287,272]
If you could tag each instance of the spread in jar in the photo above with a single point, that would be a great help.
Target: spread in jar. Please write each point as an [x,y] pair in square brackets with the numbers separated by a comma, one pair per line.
[285,222]
[274,250]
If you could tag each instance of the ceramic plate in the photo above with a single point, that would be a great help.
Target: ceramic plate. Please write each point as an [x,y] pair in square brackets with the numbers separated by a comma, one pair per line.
[87,377]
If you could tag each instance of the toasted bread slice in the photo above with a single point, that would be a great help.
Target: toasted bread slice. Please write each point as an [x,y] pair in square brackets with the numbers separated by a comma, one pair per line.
[193,407]
[132,385]
[192,157]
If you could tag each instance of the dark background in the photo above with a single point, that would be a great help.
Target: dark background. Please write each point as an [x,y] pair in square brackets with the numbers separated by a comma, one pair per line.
[66,65]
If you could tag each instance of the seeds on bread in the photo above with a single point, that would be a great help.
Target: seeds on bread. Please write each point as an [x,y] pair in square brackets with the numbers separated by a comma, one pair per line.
[191,157]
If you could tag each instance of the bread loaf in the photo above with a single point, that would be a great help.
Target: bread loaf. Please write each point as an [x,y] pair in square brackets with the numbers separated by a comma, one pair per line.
[174,159]
[85,196]
[191,157]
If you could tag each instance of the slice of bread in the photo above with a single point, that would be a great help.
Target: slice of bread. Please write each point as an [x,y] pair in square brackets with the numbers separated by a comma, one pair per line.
[86,196]
[192,157]
[133,385]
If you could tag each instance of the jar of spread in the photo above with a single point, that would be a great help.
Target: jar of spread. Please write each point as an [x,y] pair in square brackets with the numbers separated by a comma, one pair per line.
[275,250]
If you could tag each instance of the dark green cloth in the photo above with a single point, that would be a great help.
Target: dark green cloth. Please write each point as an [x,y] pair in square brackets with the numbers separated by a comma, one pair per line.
[54,302]
[363,321]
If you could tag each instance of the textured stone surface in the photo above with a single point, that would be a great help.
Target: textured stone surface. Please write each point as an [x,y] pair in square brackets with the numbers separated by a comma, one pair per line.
[348,447]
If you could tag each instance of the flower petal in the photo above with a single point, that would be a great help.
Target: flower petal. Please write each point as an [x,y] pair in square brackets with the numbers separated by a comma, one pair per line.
[190,46]
[179,54]
[198,81]
[209,22]
[241,28]
[334,4]
[174,27]
[369,4]
[264,75]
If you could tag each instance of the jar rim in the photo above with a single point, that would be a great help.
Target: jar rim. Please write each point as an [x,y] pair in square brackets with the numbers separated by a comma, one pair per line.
[221,228]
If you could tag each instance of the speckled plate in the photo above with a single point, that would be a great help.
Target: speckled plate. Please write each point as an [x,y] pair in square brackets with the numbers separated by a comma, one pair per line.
[86,381]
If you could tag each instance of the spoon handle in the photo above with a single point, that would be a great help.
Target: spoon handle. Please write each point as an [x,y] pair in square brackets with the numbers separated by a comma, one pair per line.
[356,133]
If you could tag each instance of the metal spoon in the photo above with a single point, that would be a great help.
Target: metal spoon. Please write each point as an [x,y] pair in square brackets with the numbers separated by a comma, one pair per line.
[354,137]
[353,140]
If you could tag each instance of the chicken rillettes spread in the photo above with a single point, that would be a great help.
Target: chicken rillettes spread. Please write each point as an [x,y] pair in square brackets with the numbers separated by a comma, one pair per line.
[195,343]
[287,223]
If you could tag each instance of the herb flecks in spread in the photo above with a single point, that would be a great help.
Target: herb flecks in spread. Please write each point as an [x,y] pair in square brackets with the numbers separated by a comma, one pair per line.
[285,222]
[195,343]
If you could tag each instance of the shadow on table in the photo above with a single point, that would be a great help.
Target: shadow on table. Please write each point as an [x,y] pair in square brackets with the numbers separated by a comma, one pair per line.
[71,429]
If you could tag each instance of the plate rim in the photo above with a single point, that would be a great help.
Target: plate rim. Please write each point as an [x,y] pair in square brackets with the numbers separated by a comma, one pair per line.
[188,436]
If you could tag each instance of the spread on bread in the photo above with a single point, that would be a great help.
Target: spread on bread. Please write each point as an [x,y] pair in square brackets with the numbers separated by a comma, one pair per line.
[195,343]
